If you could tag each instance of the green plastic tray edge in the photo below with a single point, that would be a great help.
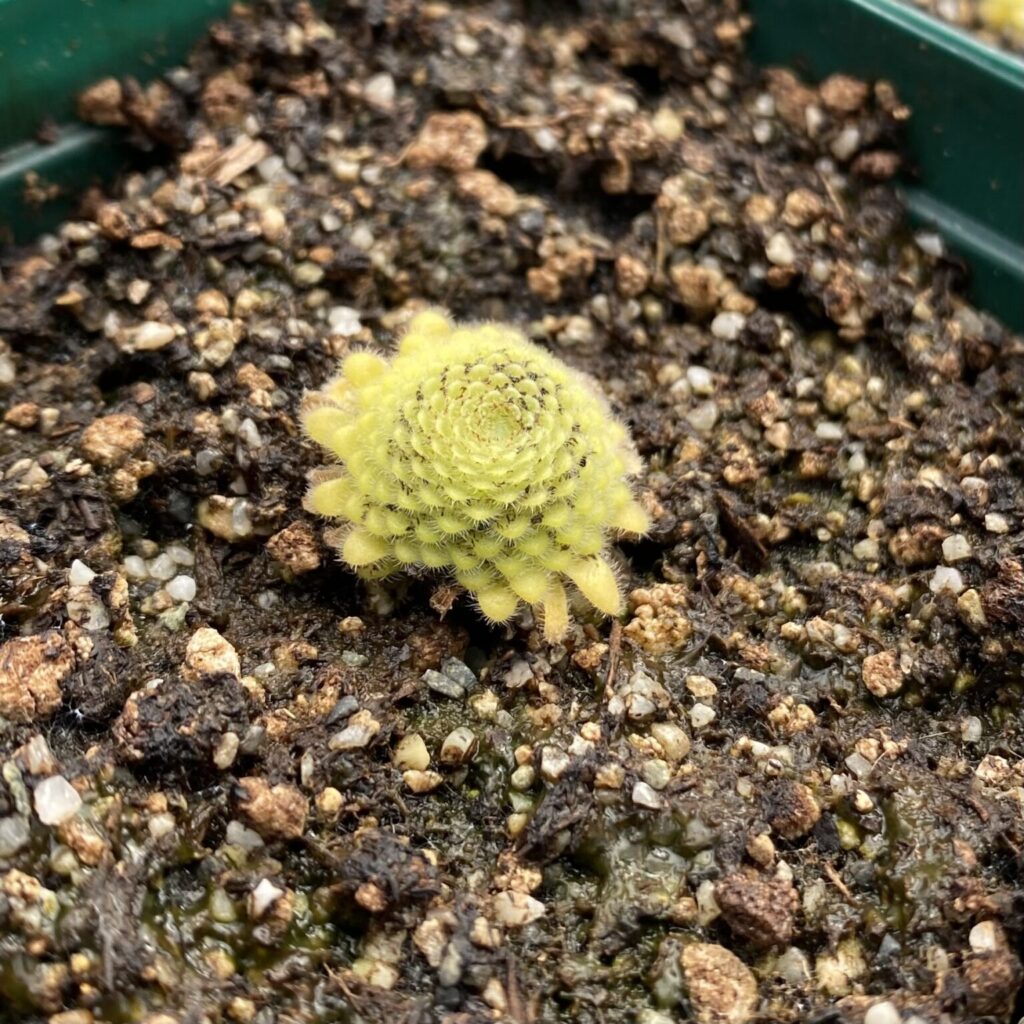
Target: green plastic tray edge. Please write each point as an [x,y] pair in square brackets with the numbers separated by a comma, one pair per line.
[46,59]
[81,156]
[964,133]
[817,36]
[52,49]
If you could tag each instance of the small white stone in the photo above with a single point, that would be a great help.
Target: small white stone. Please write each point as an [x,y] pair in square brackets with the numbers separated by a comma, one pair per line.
[649,1016]
[862,802]
[344,320]
[181,554]
[48,419]
[207,461]
[639,708]
[162,568]
[821,270]
[37,756]
[307,273]
[80,575]
[226,750]
[672,739]
[56,800]
[361,728]
[779,250]
[263,897]
[727,326]
[209,654]
[523,777]
[152,335]
[514,909]
[703,417]
[161,824]
[827,430]
[844,639]
[707,906]
[975,489]
[375,973]
[793,967]
[701,715]
[361,236]
[134,568]
[459,746]
[578,330]
[554,763]
[866,550]
[946,581]
[518,674]
[580,747]
[86,609]
[859,765]
[993,769]
[269,169]
[986,937]
[239,835]
[411,753]
[645,796]
[667,123]
[423,781]
[995,522]
[814,119]
[971,729]
[883,1013]
[545,139]
[379,90]
[846,143]
[249,434]
[181,588]
[700,380]
[930,243]
[656,773]
[241,521]
[955,548]
[701,687]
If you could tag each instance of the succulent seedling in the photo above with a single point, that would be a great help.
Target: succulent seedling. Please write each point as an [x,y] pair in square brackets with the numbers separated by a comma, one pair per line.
[476,452]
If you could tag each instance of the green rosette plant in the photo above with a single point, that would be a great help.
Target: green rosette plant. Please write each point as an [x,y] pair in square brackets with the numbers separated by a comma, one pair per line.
[476,452]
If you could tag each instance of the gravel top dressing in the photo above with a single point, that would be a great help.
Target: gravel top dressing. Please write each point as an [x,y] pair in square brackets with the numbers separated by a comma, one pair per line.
[239,784]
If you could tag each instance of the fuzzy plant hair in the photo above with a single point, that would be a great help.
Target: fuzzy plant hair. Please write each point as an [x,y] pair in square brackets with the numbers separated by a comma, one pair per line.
[476,452]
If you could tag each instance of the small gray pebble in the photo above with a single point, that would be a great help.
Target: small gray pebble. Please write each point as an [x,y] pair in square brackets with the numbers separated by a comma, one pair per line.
[459,672]
[14,835]
[343,709]
[445,685]
[253,740]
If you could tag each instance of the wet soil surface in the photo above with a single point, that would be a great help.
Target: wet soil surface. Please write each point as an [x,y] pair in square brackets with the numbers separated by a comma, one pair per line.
[238,784]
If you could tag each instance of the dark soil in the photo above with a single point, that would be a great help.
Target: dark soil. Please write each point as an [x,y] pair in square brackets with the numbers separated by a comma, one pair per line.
[787,787]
